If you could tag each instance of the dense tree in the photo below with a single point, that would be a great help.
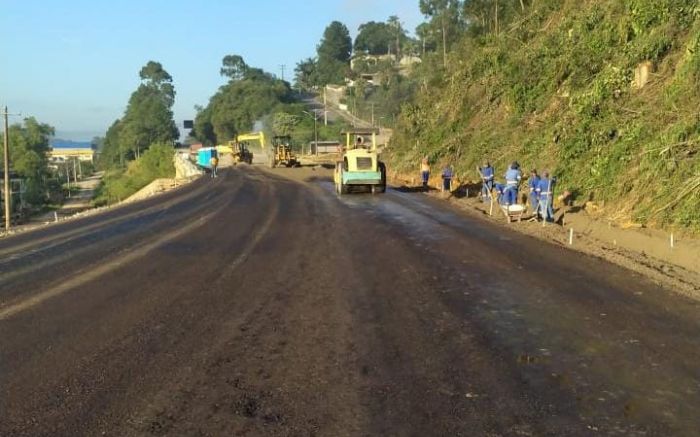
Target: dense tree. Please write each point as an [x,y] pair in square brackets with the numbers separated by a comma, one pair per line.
[97,143]
[112,152]
[147,119]
[398,34]
[29,145]
[374,38]
[306,74]
[283,123]
[489,16]
[233,67]
[155,78]
[238,104]
[334,53]
[203,128]
[444,20]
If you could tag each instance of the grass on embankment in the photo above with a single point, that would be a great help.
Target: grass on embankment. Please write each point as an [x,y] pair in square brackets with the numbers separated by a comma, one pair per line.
[118,184]
[555,90]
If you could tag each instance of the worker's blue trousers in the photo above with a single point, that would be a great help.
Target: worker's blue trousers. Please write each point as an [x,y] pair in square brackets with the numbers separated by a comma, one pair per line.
[545,209]
[486,188]
[534,201]
[511,195]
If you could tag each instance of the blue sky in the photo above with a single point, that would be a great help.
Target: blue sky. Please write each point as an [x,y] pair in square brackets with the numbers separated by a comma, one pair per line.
[73,64]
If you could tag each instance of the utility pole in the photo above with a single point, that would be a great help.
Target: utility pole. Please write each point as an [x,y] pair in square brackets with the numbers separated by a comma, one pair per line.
[75,172]
[6,155]
[316,132]
[68,178]
[315,116]
[325,108]
[8,194]
[354,110]
[282,66]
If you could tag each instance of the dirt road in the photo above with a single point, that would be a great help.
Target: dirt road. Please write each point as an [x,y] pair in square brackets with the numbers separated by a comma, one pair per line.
[252,304]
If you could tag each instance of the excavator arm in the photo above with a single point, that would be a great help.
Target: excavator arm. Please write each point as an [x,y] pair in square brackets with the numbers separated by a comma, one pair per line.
[254,136]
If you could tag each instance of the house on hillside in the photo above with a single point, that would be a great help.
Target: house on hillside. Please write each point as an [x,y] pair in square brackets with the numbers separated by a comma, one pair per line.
[405,64]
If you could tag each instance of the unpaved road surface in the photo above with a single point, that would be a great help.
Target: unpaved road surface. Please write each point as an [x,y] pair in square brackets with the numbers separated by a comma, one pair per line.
[252,305]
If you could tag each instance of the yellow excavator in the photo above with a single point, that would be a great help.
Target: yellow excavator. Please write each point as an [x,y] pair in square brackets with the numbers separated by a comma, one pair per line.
[238,148]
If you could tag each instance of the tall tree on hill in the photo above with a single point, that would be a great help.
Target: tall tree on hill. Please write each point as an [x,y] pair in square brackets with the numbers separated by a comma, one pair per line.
[398,34]
[380,38]
[334,53]
[425,34]
[250,94]
[306,74]
[148,118]
[112,153]
[154,77]
[444,17]
[374,38]
[233,67]
[489,16]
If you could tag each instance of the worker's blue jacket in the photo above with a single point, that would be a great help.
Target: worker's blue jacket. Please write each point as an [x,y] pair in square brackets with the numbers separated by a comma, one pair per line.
[487,173]
[513,177]
[500,191]
[447,173]
[533,183]
[544,188]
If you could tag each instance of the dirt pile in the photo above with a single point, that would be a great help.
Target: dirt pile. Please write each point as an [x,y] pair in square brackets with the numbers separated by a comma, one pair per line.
[184,168]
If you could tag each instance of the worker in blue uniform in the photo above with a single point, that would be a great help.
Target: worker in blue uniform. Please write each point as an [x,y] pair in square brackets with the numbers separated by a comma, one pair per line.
[487,174]
[533,184]
[545,191]
[447,178]
[500,189]
[513,177]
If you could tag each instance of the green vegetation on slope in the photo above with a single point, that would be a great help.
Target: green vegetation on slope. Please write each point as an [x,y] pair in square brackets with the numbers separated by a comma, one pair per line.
[147,123]
[154,163]
[553,88]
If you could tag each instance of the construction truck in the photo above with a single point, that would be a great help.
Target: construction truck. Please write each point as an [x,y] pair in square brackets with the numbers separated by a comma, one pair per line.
[360,165]
[241,153]
[282,153]
[238,147]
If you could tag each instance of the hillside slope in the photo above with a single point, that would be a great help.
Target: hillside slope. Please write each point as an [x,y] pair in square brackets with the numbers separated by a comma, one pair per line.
[606,93]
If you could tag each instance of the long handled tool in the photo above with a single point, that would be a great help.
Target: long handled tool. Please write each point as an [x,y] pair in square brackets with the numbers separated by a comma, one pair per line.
[546,202]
